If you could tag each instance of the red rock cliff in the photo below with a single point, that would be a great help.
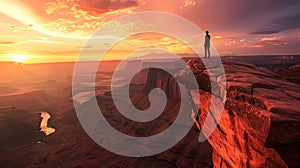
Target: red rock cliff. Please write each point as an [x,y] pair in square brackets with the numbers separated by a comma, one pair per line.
[259,105]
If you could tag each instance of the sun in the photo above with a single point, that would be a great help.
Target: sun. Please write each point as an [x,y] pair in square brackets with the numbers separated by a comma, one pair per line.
[19,58]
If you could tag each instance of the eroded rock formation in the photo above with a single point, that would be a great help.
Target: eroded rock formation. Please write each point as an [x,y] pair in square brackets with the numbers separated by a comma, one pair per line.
[261,113]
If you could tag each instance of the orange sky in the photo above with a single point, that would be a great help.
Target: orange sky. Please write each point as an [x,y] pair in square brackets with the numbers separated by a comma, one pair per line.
[56,30]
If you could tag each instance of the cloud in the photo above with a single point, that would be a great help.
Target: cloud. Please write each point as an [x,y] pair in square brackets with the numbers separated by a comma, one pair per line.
[7,42]
[12,43]
[187,3]
[83,17]
[265,32]
[281,24]
[88,7]
[256,46]
[21,28]
[66,18]
[287,22]
[103,6]
[270,39]
[238,15]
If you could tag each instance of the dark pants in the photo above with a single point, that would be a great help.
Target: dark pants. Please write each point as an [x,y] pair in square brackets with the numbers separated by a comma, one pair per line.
[207,51]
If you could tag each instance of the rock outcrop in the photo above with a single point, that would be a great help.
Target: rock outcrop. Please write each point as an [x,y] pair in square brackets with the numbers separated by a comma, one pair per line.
[261,113]
[291,73]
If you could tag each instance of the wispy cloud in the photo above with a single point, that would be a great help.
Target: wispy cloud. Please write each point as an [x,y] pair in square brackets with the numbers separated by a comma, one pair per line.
[270,39]
[16,28]
[265,32]
[6,42]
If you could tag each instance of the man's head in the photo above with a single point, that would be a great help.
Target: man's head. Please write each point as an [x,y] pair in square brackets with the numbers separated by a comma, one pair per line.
[207,32]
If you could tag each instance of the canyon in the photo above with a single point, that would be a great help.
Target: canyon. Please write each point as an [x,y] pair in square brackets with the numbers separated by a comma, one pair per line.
[259,126]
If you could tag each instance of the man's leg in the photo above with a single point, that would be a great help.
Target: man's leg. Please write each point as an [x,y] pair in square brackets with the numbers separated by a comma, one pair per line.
[205,51]
[208,50]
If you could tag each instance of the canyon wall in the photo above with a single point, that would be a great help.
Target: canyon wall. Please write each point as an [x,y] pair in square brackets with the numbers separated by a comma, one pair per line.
[261,112]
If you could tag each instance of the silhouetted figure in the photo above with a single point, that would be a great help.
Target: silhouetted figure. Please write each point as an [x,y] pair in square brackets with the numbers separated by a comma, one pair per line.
[207,45]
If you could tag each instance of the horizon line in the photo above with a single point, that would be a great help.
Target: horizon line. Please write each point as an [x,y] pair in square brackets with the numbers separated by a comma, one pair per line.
[65,62]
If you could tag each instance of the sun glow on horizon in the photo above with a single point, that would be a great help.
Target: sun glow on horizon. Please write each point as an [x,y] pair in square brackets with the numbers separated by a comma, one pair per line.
[19,58]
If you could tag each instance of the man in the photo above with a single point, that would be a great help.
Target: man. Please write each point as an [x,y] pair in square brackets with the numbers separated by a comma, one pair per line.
[207,45]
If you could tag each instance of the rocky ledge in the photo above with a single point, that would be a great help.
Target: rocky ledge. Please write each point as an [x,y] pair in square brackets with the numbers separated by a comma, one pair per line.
[260,124]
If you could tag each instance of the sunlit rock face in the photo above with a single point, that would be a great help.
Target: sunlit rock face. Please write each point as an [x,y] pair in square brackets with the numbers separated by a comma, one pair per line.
[259,104]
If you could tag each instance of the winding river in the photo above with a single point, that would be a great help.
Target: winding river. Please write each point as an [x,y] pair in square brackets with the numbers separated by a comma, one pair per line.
[44,124]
